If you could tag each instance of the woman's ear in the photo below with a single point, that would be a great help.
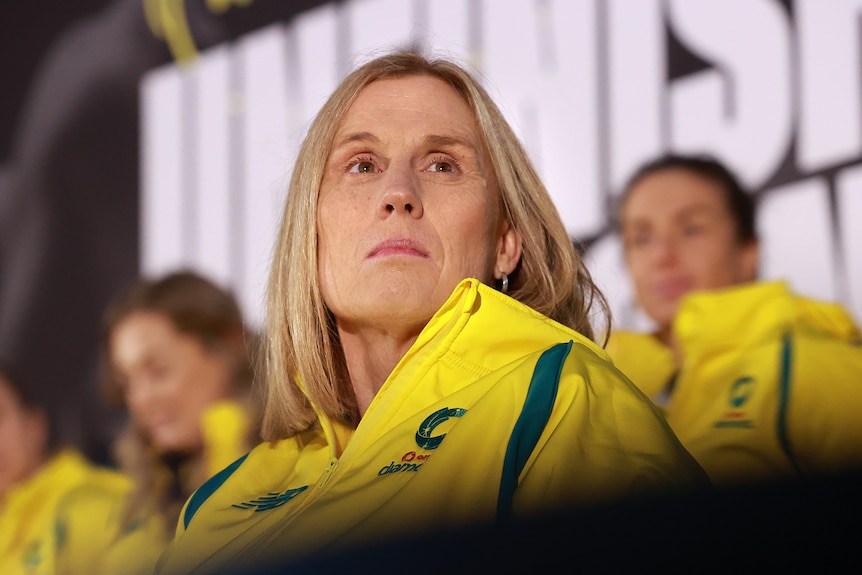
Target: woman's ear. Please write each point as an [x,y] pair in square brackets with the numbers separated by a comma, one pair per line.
[38,430]
[509,249]
[749,261]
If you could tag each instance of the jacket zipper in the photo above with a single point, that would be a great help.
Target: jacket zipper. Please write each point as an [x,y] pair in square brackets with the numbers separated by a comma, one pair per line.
[327,473]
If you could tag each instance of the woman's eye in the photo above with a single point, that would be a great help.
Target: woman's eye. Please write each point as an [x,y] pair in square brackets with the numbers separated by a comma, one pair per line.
[441,167]
[639,240]
[158,372]
[362,167]
[443,163]
[692,230]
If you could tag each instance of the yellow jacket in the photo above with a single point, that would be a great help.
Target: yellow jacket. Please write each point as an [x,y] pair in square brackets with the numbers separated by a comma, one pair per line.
[28,514]
[496,410]
[770,385]
[95,535]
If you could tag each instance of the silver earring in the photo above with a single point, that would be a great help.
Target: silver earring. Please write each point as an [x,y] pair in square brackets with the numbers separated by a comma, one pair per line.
[504,282]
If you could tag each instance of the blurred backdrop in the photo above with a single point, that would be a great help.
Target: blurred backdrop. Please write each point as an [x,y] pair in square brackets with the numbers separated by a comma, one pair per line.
[137,136]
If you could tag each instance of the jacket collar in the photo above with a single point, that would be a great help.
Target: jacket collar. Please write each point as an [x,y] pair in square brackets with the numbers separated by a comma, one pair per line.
[477,329]
[752,312]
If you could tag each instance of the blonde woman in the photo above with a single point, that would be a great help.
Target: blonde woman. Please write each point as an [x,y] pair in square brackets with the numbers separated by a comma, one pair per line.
[430,353]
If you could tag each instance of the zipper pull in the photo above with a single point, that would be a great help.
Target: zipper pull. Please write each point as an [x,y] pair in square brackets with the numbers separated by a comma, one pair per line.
[327,473]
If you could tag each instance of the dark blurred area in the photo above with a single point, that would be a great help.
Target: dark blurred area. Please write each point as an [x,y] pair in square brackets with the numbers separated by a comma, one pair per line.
[69,185]
[811,525]
[29,30]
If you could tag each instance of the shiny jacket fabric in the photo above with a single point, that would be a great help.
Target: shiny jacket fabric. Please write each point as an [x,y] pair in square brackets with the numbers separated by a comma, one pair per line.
[769,385]
[28,535]
[97,535]
[496,411]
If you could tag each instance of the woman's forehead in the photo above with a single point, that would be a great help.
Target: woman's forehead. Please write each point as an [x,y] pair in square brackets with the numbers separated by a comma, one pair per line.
[674,192]
[410,102]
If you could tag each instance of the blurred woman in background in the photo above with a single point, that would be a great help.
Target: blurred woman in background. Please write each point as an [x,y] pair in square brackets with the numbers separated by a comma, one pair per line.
[36,472]
[178,355]
[757,382]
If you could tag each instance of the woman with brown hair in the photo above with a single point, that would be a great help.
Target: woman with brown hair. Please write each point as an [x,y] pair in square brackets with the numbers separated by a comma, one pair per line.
[178,355]
[761,384]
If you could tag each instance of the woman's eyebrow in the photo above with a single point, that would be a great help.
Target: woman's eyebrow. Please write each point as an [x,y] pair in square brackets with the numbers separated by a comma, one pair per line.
[696,209]
[357,137]
[437,140]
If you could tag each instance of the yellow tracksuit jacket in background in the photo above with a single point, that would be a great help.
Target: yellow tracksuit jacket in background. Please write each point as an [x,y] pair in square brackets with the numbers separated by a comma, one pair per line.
[770,385]
[27,517]
[451,439]
[94,537]
[98,539]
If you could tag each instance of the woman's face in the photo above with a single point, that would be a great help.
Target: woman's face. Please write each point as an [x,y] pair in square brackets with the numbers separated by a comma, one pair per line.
[168,379]
[680,236]
[23,433]
[408,207]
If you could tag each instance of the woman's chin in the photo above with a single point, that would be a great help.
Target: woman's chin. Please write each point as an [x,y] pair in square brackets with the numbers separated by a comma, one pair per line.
[167,446]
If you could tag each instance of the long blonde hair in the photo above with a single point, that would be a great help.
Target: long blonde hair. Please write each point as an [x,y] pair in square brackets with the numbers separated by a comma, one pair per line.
[305,364]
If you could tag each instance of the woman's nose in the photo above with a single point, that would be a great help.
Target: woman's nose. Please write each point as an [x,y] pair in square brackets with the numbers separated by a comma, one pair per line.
[401,192]
[665,250]
[139,397]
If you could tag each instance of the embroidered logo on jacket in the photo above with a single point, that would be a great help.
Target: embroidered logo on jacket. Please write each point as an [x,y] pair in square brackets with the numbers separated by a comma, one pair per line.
[412,461]
[32,555]
[270,500]
[424,439]
[738,395]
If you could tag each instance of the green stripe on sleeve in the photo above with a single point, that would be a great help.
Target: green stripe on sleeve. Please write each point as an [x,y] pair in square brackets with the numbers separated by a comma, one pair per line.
[538,404]
[204,491]
[784,400]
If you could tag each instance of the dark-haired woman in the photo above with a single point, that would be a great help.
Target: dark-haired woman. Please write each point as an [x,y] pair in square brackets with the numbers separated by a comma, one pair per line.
[757,382]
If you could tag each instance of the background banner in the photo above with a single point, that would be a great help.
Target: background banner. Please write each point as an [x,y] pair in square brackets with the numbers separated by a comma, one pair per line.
[153,134]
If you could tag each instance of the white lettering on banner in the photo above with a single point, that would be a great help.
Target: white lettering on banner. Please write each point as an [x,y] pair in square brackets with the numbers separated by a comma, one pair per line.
[531,58]
[636,75]
[830,90]
[739,111]
[585,85]
[796,239]
[566,143]
[264,157]
[314,73]
[511,44]
[447,27]
[848,184]
[162,140]
[370,34]
[215,231]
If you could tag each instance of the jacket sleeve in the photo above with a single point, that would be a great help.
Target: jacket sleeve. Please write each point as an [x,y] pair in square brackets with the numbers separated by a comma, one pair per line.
[821,399]
[92,537]
[604,441]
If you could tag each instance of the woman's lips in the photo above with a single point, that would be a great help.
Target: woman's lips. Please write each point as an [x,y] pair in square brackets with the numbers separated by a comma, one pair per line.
[672,288]
[159,425]
[398,247]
